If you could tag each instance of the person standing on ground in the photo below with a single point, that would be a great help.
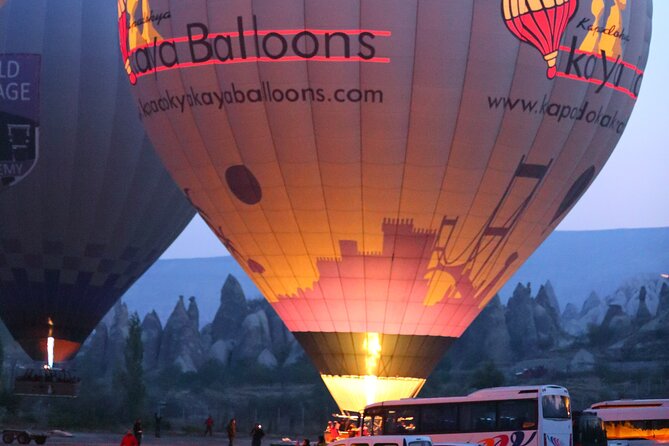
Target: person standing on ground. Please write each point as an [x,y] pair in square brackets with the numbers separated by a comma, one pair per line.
[158,420]
[232,431]
[256,435]
[137,431]
[209,424]
[129,439]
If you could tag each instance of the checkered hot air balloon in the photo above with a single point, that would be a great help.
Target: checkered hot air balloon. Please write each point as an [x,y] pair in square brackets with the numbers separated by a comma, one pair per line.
[540,23]
[98,208]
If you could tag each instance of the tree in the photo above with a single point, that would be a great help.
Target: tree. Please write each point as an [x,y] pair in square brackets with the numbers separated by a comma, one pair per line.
[132,377]
[488,375]
[2,364]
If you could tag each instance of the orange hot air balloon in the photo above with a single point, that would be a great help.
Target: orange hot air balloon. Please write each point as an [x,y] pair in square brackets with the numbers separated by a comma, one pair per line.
[378,167]
[540,23]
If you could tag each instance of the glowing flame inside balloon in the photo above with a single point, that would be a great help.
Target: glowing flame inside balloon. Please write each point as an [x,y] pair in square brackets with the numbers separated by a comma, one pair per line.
[50,342]
[49,351]
[540,23]
[373,349]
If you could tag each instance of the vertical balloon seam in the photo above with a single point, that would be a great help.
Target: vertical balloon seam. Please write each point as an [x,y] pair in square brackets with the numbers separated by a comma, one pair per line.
[113,148]
[67,310]
[224,184]
[334,245]
[531,148]
[393,263]
[575,174]
[314,270]
[191,117]
[268,120]
[201,189]
[32,182]
[568,182]
[485,169]
[161,210]
[398,213]
[443,181]
[313,260]
[456,131]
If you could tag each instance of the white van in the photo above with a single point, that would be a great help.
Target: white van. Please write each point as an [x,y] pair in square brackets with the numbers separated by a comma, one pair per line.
[384,440]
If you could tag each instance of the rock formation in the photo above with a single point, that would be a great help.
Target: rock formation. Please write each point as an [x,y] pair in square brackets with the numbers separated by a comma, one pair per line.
[152,332]
[520,321]
[642,314]
[181,345]
[487,337]
[231,313]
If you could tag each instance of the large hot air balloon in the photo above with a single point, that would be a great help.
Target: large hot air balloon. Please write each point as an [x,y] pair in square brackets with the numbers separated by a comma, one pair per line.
[381,167]
[98,207]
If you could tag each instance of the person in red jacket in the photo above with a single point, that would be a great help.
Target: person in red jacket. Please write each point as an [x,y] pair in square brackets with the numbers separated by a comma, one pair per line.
[129,439]
[209,423]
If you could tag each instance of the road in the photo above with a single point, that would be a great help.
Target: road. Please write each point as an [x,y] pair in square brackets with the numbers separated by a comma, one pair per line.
[105,439]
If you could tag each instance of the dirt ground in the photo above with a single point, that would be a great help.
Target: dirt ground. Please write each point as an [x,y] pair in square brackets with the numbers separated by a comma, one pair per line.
[103,439]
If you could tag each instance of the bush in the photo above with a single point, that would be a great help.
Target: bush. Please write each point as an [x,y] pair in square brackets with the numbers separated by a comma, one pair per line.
[488,375]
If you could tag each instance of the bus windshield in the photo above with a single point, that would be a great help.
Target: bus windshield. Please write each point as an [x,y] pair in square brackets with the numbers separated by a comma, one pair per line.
[556,407]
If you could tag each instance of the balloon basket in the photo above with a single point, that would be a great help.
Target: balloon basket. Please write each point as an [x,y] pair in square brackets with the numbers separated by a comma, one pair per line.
[47,382]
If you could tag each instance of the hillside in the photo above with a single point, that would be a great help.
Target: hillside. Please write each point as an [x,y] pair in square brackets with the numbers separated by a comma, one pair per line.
[579,262]
[576,263]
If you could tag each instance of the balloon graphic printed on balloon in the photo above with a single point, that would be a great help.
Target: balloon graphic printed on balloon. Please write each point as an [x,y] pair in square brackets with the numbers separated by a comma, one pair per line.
[540,23]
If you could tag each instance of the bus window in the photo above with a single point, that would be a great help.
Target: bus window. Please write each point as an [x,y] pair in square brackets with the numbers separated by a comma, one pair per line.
[556,407]
[373,422]
[478,417]
[419,443]
[439,419]
[661,430]
[638,429]
[400,421]
[517,415]
[589,431]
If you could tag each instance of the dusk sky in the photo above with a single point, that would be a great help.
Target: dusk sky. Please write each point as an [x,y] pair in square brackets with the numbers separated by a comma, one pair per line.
[631,190]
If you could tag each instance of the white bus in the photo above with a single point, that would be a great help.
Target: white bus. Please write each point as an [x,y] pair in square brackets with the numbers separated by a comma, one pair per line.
[501,416]
[628,422]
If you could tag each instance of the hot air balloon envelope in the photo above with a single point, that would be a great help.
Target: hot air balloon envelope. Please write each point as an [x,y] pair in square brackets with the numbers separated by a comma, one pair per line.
[381,167]
[90,207]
